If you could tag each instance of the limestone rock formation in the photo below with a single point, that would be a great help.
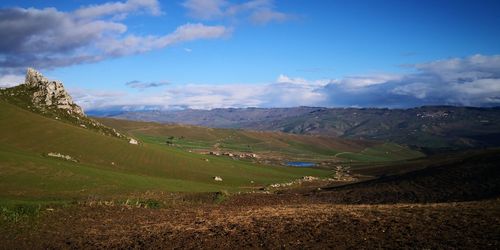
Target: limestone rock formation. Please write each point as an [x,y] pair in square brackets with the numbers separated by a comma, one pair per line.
[50,93]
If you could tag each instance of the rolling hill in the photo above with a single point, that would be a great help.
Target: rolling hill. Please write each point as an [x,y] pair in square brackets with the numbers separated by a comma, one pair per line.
[267,146]
[433,127]
[46,155]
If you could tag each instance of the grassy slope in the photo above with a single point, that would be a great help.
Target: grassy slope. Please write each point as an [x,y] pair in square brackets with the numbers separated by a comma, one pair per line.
[26,173]
[290,146]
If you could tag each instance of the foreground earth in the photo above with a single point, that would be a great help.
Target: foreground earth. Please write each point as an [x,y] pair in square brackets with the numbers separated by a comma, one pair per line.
[291,221]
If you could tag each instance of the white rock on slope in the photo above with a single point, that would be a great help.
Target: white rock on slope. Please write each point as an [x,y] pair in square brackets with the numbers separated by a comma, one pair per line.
[50,93]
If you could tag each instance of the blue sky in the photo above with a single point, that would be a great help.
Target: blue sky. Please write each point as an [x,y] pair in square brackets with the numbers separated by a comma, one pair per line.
[222,53]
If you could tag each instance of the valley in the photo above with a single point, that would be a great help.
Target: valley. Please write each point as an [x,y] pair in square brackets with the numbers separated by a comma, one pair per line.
[68,180]
[264,147]
[249,124]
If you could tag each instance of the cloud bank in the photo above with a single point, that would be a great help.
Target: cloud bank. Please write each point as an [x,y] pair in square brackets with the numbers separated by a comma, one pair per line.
[48,38]
[470,81]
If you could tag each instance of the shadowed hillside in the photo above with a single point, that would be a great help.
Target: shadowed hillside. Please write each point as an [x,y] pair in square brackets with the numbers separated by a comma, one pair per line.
[463,178]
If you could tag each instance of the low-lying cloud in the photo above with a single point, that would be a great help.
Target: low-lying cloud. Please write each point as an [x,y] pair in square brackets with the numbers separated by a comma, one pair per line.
[470,81]
[10,80]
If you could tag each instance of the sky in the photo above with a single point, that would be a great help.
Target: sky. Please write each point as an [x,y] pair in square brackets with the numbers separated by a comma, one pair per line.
[205,54]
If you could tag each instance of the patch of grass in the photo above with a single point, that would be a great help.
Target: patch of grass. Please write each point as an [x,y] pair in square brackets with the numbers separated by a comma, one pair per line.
[19,212]
[221,196]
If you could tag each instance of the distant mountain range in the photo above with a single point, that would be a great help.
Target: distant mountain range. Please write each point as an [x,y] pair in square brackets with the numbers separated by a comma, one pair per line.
[432,127]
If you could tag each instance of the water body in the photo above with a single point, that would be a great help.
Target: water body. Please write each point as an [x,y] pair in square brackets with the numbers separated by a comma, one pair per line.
[302,164]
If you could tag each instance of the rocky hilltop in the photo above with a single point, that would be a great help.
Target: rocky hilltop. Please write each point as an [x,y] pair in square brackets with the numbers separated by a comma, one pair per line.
[49,98]
[48,93]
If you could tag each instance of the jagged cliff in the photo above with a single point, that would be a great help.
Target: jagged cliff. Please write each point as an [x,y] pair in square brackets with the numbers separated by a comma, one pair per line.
[48,93]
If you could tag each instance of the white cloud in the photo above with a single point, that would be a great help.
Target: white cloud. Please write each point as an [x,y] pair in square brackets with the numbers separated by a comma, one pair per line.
[11,80]
[49,38]
[118,8]
[285,79]
[136,44]
[204,96]
[302,81]
[359,82]
[463,69]
[95,99]
[257,11]
[417,89]
[473,81]
[205,9]
[266,15]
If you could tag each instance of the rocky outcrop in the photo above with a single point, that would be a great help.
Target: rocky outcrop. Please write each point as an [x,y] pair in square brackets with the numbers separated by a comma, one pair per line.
[59,155]
[50,93]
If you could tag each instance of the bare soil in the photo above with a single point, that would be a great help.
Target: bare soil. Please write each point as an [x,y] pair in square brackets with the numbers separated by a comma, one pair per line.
[465,225]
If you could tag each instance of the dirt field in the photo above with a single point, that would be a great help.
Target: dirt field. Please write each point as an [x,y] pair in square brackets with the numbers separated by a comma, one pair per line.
[467,225]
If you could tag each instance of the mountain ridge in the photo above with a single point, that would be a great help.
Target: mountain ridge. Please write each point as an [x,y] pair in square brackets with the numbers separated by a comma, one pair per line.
[427,126]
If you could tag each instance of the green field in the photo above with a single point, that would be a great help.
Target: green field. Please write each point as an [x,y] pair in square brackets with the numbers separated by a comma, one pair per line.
[108,166]
[283,146]
[103,165]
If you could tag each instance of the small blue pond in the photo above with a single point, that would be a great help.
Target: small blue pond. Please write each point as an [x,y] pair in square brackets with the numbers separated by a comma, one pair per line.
[301,164]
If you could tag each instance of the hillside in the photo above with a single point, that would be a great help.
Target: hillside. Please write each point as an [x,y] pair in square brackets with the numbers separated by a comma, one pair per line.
[264,146]
[428,127]
[107,165]
[47,159]
[463,177]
